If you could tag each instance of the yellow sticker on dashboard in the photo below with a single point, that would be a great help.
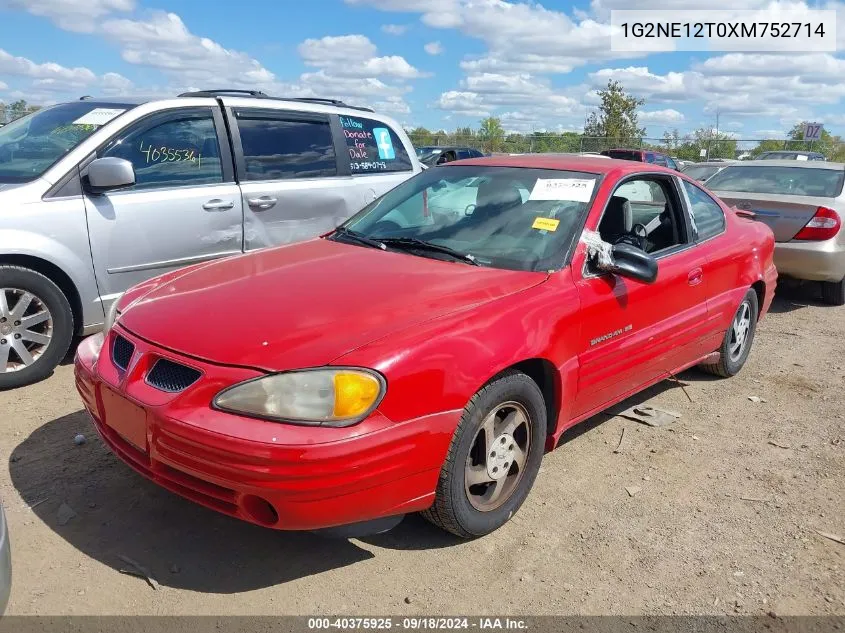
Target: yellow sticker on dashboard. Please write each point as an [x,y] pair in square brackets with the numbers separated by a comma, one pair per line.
[545,224]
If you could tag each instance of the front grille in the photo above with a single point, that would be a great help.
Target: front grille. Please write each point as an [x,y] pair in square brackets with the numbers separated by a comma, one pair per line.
[172,377]
[121,352]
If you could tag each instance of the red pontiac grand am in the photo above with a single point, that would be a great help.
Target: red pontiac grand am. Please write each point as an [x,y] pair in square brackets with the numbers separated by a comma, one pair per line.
[425,354]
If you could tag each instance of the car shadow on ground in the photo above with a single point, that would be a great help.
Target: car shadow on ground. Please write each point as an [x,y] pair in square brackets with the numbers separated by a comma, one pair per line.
[793,295]
[107,511]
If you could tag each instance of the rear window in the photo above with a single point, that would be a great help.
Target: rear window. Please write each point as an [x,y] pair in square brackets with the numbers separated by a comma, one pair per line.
[279,145]
[373,147]
[700,172]
[624,154]
[792,181]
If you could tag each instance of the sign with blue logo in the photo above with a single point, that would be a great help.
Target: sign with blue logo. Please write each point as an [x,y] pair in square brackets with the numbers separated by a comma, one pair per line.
[384,143]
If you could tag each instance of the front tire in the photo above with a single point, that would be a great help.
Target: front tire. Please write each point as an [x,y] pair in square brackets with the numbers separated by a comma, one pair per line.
[833,292]
[36,326]
[738,339]
[493,459]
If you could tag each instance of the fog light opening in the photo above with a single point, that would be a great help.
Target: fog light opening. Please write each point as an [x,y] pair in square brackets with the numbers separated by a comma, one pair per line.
[259,510]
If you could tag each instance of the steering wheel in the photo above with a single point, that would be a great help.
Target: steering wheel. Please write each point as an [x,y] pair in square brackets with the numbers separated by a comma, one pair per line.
[637,237]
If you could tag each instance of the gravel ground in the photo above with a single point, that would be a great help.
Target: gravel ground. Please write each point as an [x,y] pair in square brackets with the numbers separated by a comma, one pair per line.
[721,517]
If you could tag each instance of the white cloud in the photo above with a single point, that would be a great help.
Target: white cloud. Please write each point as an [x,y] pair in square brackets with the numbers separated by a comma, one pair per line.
[164,42]
[21,66]
[354,55]
[463,102]
[394,29]
[639,81]
[49,80]
[71,15]
[3,86]
[392,105]
[336,50]
[434,48]
[661,116]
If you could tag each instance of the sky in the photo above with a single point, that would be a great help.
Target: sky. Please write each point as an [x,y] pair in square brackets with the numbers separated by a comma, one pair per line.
[434,63]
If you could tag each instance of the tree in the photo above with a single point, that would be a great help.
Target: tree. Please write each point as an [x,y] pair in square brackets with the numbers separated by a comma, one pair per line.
[671,141]
[797,142]
[617,116]
[769,145]
[420,136]
[492,134]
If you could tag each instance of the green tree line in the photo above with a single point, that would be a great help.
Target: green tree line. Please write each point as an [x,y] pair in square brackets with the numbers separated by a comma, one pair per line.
[615,123]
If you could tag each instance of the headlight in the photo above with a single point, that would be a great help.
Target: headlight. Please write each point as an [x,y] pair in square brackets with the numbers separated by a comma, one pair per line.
[112,314]
[328,396]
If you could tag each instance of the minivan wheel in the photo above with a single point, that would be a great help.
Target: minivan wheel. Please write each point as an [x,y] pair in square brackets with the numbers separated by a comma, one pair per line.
[833,292]
[493,459]
[736,345]
[36,326]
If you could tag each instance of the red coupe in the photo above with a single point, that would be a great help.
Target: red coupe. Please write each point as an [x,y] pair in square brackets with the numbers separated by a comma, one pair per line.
[425,354]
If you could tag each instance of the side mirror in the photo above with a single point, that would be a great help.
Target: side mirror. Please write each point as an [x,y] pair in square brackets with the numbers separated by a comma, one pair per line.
[629,261]
[109,174]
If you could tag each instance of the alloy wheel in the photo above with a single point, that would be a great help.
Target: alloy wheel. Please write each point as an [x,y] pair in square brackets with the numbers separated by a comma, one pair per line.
[497,459]
[739,331]
[26,329]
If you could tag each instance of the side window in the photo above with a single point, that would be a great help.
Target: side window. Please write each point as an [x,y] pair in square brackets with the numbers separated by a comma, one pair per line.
[280,147]
[660,159]
[177,150]
[374,148]
[464,153]
[671,164]
[649,157]
[707,214]
[651,203]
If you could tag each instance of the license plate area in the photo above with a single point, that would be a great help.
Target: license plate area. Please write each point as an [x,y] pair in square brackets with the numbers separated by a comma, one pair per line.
[125,418]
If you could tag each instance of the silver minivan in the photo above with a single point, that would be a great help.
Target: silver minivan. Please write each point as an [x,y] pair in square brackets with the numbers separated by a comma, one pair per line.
[97,195]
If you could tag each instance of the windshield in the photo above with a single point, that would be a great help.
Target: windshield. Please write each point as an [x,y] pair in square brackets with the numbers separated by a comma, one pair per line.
[31,145]
[700,172]
[503,217]
[794,181]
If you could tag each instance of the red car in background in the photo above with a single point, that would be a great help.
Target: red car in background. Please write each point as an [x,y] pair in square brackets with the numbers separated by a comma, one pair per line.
[425,355]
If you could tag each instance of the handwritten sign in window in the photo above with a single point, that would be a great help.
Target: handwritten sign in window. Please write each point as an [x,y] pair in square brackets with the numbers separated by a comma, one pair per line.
[164,154]
[373,147]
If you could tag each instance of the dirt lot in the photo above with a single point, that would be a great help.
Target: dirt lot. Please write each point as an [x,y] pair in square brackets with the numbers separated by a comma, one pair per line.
[730,498]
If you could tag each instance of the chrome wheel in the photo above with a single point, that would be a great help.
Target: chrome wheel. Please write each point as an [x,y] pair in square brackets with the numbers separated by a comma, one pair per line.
[26,329]
[496,461]
[739,331]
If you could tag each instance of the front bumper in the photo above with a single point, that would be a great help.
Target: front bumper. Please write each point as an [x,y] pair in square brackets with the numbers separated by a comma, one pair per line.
[814,261]
[276,475]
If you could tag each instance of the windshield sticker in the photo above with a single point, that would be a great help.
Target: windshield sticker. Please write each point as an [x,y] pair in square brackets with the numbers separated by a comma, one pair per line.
[568,189]
[98,116]
[545,224]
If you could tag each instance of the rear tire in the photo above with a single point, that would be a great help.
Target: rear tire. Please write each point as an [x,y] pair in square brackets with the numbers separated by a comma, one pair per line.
[512,409]
[731,357]
[833,292]
[31,345]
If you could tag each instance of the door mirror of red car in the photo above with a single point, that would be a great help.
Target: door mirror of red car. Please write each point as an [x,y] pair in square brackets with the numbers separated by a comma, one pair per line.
[629,261]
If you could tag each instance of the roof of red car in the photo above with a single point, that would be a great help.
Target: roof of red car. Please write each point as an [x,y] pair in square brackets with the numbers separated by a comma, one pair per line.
[566,162]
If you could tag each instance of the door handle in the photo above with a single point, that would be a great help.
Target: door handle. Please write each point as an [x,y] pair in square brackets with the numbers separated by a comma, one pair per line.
[695,276]
[262,204]
[218,205]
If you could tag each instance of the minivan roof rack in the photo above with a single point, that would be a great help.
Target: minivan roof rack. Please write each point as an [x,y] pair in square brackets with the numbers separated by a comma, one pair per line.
[228,91]
[260,95]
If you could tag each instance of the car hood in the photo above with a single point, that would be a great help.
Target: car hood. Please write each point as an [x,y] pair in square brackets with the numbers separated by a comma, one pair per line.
[306,304]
